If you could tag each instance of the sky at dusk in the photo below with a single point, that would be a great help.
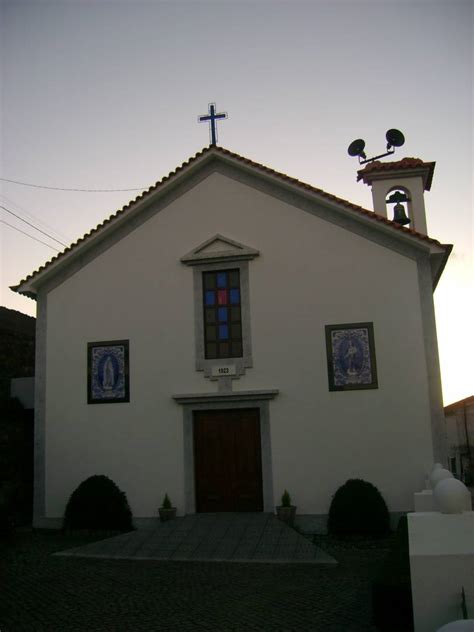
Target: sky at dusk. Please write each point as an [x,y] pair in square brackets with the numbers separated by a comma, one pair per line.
[106,95]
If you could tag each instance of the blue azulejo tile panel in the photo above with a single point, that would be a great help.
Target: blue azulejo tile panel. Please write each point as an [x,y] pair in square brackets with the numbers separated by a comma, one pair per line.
[108,370]
[351,356]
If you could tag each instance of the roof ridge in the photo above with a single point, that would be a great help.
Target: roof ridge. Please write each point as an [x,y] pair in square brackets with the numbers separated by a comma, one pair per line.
[256,165]
[335,198]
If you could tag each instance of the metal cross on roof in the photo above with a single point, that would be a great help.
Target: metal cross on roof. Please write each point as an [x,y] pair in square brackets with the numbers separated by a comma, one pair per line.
[212,117]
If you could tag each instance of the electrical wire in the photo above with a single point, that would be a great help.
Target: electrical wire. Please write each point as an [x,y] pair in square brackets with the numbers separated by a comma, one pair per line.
[33,226]
[31,217]
[2,221]
[42,186]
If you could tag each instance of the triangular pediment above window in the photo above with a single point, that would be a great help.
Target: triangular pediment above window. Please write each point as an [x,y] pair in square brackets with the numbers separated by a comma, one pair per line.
[219,248]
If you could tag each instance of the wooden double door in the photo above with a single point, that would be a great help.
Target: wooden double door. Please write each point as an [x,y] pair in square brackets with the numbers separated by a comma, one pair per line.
[228,460]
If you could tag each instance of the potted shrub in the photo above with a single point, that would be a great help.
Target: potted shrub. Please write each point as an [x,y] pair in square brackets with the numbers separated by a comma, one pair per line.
[167,511]
[286,511]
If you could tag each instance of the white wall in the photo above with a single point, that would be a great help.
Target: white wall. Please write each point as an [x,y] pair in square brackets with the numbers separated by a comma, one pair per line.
[441,564]
[310,273]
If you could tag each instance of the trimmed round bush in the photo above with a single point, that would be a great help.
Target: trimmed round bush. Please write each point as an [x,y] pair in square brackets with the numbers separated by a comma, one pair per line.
[98,504]
[358,508]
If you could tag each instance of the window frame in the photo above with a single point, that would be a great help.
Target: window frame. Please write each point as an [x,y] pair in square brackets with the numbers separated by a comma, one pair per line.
[229,322]
[208,364]
[218,254]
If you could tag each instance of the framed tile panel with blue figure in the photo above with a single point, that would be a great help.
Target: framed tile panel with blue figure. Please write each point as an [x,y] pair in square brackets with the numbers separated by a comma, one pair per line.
[351,360]
[108,372]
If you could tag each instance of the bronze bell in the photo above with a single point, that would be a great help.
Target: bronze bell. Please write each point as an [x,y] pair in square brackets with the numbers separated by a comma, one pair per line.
[399,215]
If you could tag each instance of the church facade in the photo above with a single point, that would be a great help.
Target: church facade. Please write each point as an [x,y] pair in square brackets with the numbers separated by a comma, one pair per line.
[233,333]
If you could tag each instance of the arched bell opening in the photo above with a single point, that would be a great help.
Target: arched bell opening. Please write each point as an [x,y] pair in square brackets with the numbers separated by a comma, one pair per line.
[409,177]
[398,205]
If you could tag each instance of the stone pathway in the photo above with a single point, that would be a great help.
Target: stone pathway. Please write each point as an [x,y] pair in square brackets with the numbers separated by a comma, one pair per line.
[230,537]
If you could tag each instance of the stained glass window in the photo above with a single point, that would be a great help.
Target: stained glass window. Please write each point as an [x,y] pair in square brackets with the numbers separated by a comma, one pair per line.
[222,314]
[235,297]
[210,298]
[222,279]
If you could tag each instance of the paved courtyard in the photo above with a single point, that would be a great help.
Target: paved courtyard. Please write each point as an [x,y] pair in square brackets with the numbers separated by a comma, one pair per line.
[231,537]
[45,592]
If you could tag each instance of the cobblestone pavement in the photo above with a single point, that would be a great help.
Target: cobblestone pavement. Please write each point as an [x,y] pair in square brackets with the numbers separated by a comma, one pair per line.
[41,592]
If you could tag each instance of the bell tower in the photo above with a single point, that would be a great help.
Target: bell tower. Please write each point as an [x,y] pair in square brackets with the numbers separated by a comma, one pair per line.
[402,184]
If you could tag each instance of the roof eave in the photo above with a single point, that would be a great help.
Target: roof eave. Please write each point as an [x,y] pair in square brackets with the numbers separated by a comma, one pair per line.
[438,263]
[459,405]
[31,284]
[25,292]
[426,172]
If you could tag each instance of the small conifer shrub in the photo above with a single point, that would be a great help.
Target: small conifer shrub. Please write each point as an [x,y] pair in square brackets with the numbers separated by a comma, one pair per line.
[286,499]
[98,504]
[166,502]
[358,508]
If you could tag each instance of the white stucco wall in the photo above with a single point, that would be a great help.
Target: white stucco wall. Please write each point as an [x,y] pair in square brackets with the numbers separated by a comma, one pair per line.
[441,565]
[310,273]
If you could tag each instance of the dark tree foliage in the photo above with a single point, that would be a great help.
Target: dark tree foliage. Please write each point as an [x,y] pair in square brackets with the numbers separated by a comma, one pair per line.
[358,508]
[98,504]
[17,348]
[17,359]
[16,464]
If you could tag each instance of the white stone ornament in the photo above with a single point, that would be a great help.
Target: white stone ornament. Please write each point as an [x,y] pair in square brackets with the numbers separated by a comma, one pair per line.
[450,496]
[436,466]
[439,474]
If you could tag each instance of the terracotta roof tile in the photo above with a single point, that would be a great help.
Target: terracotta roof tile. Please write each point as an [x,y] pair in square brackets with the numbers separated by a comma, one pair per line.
[262,168]
[459,405]
[408,164]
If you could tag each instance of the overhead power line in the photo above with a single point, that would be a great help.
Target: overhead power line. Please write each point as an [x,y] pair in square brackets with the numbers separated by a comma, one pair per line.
[28,235]
[43,186]
[33,226]
[31,217]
